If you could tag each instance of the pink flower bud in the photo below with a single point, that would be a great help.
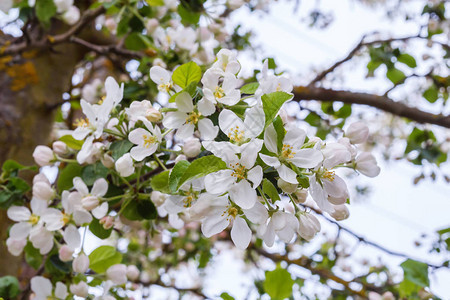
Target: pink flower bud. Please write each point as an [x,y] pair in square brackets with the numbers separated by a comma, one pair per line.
[151,25]
[60,148]
[153,115]
[80,289]
[117,274]
[309,226]
[133,272]
[367,164]
[107,222]
[81,263]
[43,156]
[192,147]
[15,247]
[65,253]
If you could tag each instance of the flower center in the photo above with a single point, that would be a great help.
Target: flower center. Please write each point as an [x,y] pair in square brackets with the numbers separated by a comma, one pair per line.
[278,87]
[231,212]
[287,151]
[34,219]
[240,172]
[329,175]
[149,140]
[191,196]
[65,218]
[219,92]
[235,135]
[164,87]
[193,118]
[83,123]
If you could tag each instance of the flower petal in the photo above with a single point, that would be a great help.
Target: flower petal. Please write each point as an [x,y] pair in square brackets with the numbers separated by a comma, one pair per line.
[19,213]
[243,194]
[270,139]
[241,233]
[219,182]
[307,158]
[100,187]
[287,174]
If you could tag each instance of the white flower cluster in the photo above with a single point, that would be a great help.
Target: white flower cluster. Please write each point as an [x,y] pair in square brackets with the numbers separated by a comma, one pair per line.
[260,159]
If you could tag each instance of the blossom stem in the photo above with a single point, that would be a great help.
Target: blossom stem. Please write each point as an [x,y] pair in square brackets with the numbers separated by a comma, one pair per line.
[164,134]
[114,133]
[159,162]
[67,160]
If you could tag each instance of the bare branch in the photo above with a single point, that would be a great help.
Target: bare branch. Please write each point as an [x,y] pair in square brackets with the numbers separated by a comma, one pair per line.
[302,93]
[107,49]
[49,41]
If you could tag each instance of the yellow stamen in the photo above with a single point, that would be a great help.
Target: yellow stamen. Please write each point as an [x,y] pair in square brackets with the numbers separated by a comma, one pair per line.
[34,219]
[164,87]
[219,92]
[65,219]
[81,123]
[193,118]
[329,175]
[231,212]
[235,135]
[286,151]
[240,172]
[149,140]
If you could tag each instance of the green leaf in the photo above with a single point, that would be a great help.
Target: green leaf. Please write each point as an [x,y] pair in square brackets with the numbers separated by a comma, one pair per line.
[56,267]
[416,272]
[104,257]
[250,88]
[9,287]
[160,182]
[33,256]
[91,173]
[10,166]
[155,2]
[226,296]
[395,75]
[71,142]
[97,229]
[137,41]
[176,174]
[66,176]
[188,17]
[407,60]
[270,190]
[119,148]
[272,103]
[407,288]
[147,210]
[431,94]
[278,283]
[344,112]
[202,167]
[186,74]
[45,10]
[281,132]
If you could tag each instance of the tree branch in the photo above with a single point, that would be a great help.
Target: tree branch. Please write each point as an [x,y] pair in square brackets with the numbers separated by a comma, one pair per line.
[107,49]
[302,93]
[364,240]
[49,41]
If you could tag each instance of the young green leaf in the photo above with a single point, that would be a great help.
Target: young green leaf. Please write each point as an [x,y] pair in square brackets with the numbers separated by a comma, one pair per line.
[160,182]
[104,257]
[272,103]
[177,172]
[186,74]
[278,283]
[416,272]
[270,190]
[202,167]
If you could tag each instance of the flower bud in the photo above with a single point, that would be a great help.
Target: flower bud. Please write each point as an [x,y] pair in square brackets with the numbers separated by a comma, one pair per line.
[111,24]
[153,115]
[43,155]
[43,191]
[60,148]
[151,25]
[157,198]
[107,161]
[340,212]
[357,132]
[65,253]
[286,187]
[309,226]
[180,158]
[107,222]
[159,63]
[90,202]
[81,263]
[389,296]
[124,165]
[300,195]
[132,272]
[40,177]
[117,274]
[62,5]
[15,247]
[80,289]
[367,164]
[192,147]
[72,15]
